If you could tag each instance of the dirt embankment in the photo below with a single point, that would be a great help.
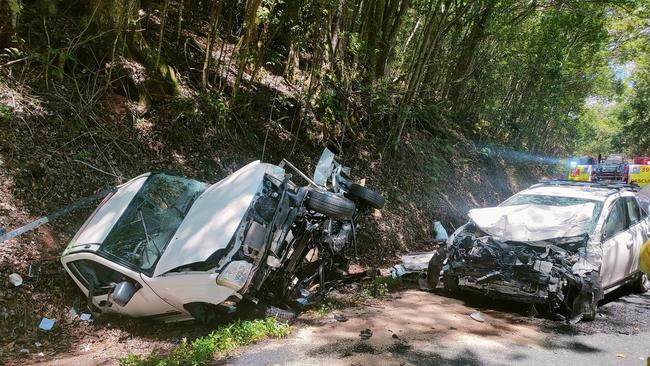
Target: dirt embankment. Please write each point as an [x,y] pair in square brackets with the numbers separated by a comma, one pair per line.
[54,149]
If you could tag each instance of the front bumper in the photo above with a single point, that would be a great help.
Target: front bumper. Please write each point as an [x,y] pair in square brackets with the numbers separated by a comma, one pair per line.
[500,289]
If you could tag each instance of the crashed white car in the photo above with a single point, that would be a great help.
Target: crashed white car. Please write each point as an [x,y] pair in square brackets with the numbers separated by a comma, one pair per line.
[561,245]
[174,248]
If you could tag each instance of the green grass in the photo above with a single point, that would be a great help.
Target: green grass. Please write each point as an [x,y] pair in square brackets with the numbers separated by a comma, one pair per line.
[223,340]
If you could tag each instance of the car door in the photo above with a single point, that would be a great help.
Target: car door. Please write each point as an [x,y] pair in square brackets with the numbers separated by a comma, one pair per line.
[87,268]
[638,219]
[615,241]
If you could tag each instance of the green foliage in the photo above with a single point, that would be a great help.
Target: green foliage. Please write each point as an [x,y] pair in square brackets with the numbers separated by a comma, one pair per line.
[6,113]
[222,341]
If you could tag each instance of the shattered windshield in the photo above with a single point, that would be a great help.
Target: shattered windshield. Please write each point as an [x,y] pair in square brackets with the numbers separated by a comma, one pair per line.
[538,199]
[142,233]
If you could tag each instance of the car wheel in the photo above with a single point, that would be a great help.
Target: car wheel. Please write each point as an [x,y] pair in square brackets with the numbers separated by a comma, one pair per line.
[330,205]
[451,284]
[585,310]
[434,268]
[365,196]
[642,284]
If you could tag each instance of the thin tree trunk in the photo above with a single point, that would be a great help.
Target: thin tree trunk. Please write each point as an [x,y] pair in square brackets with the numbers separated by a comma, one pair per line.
[162,32]
[212,36]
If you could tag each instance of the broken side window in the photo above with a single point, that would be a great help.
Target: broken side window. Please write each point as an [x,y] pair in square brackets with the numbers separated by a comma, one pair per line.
[87,271]
[616,221]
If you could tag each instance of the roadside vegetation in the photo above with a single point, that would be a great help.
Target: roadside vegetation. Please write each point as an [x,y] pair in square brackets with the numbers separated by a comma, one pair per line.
[220,342]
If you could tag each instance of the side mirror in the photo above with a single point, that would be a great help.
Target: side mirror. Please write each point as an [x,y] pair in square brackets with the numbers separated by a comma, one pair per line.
[123,292]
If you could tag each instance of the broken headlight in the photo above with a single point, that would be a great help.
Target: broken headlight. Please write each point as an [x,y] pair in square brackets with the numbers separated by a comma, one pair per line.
[235,274]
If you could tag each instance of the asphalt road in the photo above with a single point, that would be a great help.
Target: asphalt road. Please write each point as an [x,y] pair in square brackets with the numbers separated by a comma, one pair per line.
[421,328]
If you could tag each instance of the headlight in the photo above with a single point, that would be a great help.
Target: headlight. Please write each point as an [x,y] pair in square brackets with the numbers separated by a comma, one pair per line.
[235,275]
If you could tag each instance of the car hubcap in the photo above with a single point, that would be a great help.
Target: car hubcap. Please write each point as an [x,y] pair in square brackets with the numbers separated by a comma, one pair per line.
[645,282]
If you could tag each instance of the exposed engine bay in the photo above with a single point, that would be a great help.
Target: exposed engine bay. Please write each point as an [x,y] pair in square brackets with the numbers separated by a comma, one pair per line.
[536,272]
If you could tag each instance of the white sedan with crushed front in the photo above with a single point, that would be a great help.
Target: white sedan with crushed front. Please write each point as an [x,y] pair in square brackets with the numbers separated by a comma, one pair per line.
[557,245]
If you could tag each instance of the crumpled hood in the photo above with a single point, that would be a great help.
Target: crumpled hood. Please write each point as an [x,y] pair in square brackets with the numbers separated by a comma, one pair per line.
[530,222]
[214,217]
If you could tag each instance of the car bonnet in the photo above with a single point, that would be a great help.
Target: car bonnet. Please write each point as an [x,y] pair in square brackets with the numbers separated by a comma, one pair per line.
[534,222]
[214,217]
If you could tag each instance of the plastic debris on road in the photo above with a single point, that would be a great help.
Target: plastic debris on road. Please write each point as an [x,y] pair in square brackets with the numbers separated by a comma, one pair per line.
[46,324]
[412,263]
[477,316]
[15,279]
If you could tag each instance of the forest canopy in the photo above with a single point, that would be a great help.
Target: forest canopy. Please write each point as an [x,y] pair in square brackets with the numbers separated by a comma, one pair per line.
[552,77]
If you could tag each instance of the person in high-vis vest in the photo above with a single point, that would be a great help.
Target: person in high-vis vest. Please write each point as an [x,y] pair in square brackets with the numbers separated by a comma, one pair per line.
[644,258]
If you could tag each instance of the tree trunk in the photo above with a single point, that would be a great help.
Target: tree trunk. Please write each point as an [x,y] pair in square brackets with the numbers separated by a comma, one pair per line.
[242,49]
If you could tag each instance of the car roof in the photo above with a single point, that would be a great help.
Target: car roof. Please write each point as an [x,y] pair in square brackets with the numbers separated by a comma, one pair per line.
[574,191]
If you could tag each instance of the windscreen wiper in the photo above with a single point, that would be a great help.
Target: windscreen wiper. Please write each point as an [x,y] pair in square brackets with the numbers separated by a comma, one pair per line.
[146,234]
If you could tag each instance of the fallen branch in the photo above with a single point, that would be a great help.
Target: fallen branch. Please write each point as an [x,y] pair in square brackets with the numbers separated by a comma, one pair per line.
[97,169]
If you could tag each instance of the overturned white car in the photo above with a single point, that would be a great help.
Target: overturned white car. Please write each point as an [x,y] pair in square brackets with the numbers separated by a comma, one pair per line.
[558,244]
[174,248]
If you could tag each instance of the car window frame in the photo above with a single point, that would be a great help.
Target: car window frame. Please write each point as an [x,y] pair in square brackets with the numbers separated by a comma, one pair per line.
[639,211]
[99,291]
[609,214]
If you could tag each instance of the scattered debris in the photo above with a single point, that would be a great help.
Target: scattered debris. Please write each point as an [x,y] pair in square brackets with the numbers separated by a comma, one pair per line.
[620,355]
[24,350]
[365,334]
[85,317]
[412,263]
[15,279]
[38,344]
[441,233]
[341,318]
[34,272]
[477,316]
[46,324]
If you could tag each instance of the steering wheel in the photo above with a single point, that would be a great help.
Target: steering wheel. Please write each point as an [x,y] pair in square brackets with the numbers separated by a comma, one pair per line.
[144,253]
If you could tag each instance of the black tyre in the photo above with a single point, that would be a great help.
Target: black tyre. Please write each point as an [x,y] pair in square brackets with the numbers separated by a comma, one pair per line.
[451,284]
[330,205]
[365,196]
[642,284]
[434,268]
